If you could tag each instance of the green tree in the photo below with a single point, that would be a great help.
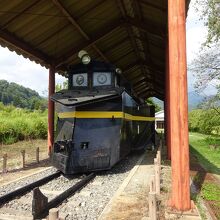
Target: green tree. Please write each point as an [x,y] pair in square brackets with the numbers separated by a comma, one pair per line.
[210,13]
[61,86]
[150,102]
[206,66]
[19,96]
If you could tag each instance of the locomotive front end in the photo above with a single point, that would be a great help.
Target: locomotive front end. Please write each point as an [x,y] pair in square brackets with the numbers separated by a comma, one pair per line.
[89,119]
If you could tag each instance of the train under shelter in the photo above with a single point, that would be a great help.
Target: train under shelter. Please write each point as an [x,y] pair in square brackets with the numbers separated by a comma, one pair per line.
[145,39]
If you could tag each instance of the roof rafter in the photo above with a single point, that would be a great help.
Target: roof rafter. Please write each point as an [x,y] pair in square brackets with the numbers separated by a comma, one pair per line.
[145,42]
[77,26]
[129,31]
[105,31]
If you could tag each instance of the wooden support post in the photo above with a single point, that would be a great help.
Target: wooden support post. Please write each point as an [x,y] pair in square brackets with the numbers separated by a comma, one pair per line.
[53,214]
[159,160]
[157,176]
[37,154]
[152,205]
[4,167]
[152,183]
[23,158]
[51,91]
[178,106]
[167,104]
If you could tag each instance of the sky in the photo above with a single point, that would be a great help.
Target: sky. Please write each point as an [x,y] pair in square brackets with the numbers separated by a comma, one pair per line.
[15,68]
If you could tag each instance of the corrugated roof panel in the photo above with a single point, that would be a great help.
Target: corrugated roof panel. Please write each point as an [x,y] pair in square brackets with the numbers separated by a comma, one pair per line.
[80,8]
[62,42]
[94,21]
[154,12]
[11,9]
[53,31]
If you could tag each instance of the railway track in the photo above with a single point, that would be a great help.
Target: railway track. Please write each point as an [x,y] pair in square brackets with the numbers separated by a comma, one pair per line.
[86,203]
[22,190]
[40,204]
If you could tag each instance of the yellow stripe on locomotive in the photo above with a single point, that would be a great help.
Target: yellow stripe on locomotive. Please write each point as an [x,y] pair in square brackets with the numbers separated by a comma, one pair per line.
[102,114]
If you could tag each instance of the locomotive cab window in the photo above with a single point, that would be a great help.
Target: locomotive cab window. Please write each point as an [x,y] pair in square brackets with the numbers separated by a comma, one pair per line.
[80,80]
[102,79]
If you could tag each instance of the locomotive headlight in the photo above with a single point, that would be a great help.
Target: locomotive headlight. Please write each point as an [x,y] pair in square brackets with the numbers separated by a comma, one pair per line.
[84,56]
[86,59]
[101,79]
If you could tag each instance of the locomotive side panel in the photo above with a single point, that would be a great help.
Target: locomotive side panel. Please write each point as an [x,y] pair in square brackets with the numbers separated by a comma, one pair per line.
[145,134]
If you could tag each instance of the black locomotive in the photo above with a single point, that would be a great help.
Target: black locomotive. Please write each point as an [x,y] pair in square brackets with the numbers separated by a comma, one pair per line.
[99,121]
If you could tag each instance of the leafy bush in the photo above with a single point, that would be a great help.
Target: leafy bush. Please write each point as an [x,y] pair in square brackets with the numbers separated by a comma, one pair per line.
[20,124]
[204,121]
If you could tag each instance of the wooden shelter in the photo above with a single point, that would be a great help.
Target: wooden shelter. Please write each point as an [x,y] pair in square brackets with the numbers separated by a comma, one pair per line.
[131,34]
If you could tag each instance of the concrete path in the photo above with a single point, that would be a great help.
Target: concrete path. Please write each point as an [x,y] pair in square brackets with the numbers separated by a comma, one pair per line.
[131,199]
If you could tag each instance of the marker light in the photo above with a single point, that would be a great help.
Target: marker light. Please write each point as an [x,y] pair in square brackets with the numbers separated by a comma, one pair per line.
[118,70]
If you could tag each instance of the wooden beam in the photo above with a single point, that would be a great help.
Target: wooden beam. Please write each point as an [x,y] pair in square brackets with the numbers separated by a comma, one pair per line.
[166,105]
[51,87]
[107,30]
[24,46]
[77,26]
[178,105]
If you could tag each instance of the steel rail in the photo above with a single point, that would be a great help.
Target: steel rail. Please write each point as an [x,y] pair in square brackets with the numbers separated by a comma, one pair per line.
[22,190]
[40,204]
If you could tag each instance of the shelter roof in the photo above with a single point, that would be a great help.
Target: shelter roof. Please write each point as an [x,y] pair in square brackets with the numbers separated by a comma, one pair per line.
[131,34]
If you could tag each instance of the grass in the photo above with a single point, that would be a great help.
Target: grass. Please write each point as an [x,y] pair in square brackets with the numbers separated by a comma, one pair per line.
[200,146]
[208,156]
[14,152]
[21,124]
[211,192]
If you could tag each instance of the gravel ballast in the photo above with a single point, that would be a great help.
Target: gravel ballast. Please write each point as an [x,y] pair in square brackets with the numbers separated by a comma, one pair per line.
[85,204]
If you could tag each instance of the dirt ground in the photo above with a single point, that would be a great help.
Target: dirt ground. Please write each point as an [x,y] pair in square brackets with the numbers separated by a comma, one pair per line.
[13,151]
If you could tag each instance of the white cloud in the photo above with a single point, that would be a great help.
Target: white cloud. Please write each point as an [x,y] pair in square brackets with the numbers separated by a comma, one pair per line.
[15,68]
